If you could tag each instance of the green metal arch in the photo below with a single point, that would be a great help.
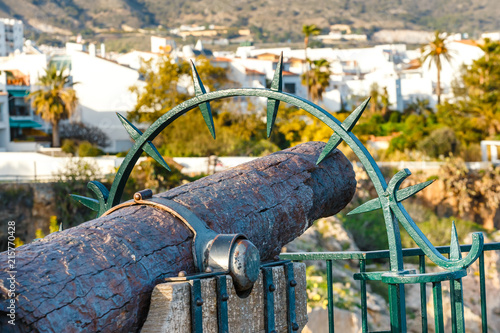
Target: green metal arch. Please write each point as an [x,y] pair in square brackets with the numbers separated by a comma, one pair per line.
[389,195]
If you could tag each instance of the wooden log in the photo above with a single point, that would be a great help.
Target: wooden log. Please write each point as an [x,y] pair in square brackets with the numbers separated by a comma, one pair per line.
[99,275]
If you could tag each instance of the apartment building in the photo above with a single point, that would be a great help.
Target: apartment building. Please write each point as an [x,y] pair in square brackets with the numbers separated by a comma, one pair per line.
[11,36]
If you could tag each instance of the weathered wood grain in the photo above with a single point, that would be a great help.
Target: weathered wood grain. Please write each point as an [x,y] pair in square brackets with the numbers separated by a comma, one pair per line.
[170,305]
[98,277]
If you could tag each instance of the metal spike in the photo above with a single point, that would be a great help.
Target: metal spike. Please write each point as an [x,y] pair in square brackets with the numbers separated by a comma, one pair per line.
[205,109]
[149,148]
[368,206]
[348,125]
[409,191]
[401,195]
[272,104]
[133,131]
[455,253]
[353,118]
[87,202]
[332,143]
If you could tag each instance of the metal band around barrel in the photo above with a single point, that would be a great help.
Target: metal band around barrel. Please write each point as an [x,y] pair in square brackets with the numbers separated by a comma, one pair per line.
[201,232]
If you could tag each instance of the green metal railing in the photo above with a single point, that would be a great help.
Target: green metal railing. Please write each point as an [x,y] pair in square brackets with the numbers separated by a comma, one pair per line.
[422,279]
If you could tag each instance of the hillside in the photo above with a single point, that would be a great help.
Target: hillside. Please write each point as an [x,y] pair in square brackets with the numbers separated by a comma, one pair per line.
[275,22]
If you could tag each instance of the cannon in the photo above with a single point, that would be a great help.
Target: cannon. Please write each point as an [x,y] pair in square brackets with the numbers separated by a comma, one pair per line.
[99,276]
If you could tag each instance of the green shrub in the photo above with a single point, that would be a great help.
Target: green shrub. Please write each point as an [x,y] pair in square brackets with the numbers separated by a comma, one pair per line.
[69,146]
[367,229]
[395,117]
[87,149]
[440,142]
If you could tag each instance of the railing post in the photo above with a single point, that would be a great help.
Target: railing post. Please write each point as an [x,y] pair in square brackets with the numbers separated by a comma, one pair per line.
[457,306]
[423,296]
[438,307]
[364,310]
[397,307]
[329,278]
[482,285]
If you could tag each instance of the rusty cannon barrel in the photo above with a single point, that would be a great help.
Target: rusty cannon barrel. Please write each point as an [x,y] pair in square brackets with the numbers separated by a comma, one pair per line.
[99,275]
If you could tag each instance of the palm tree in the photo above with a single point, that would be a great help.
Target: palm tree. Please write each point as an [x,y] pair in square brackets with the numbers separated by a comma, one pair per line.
[317,79]
[55,100]
[308,30]
[434,52]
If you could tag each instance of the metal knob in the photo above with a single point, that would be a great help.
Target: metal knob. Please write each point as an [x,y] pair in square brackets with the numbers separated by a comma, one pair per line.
[244,264]
[236,254]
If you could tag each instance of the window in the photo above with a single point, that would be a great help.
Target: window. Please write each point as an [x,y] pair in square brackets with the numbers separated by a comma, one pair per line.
[18,107]
[290,88]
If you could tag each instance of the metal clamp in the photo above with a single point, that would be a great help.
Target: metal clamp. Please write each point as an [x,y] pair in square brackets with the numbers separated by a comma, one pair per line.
[212,252]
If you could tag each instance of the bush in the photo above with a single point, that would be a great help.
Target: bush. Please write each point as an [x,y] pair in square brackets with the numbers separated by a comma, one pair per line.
[82,132]
[395,117]
[440,142]
[73,179]
[69,146]
[87,149]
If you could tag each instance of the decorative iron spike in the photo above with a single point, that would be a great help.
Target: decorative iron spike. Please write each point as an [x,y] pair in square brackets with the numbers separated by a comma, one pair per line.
[101,192]
[272,104]
[396,181]
[149,148]
[401,195]
[332,143]
[348,125]
[368,206]
[87,202]
[455,253]
[205,109]
[409,191]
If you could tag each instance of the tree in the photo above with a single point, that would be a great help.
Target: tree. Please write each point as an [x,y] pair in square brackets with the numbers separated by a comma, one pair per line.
[317,79]
[476,113]
[482,85]
[435,51]
[239,132]
[308,30]
[375,95]
[55,100]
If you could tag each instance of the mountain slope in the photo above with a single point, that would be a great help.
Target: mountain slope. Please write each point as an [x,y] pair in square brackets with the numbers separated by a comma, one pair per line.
[272,17]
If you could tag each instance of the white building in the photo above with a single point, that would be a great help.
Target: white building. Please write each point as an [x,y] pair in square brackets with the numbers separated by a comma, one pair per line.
[4,122]
[11,36]
[19,73]
[494,36]
[103,89]
[390,66]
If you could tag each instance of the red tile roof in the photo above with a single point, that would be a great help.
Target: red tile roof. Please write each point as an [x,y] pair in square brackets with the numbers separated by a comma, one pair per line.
[468,42]
[253,72]
[287,73]
[222,59]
